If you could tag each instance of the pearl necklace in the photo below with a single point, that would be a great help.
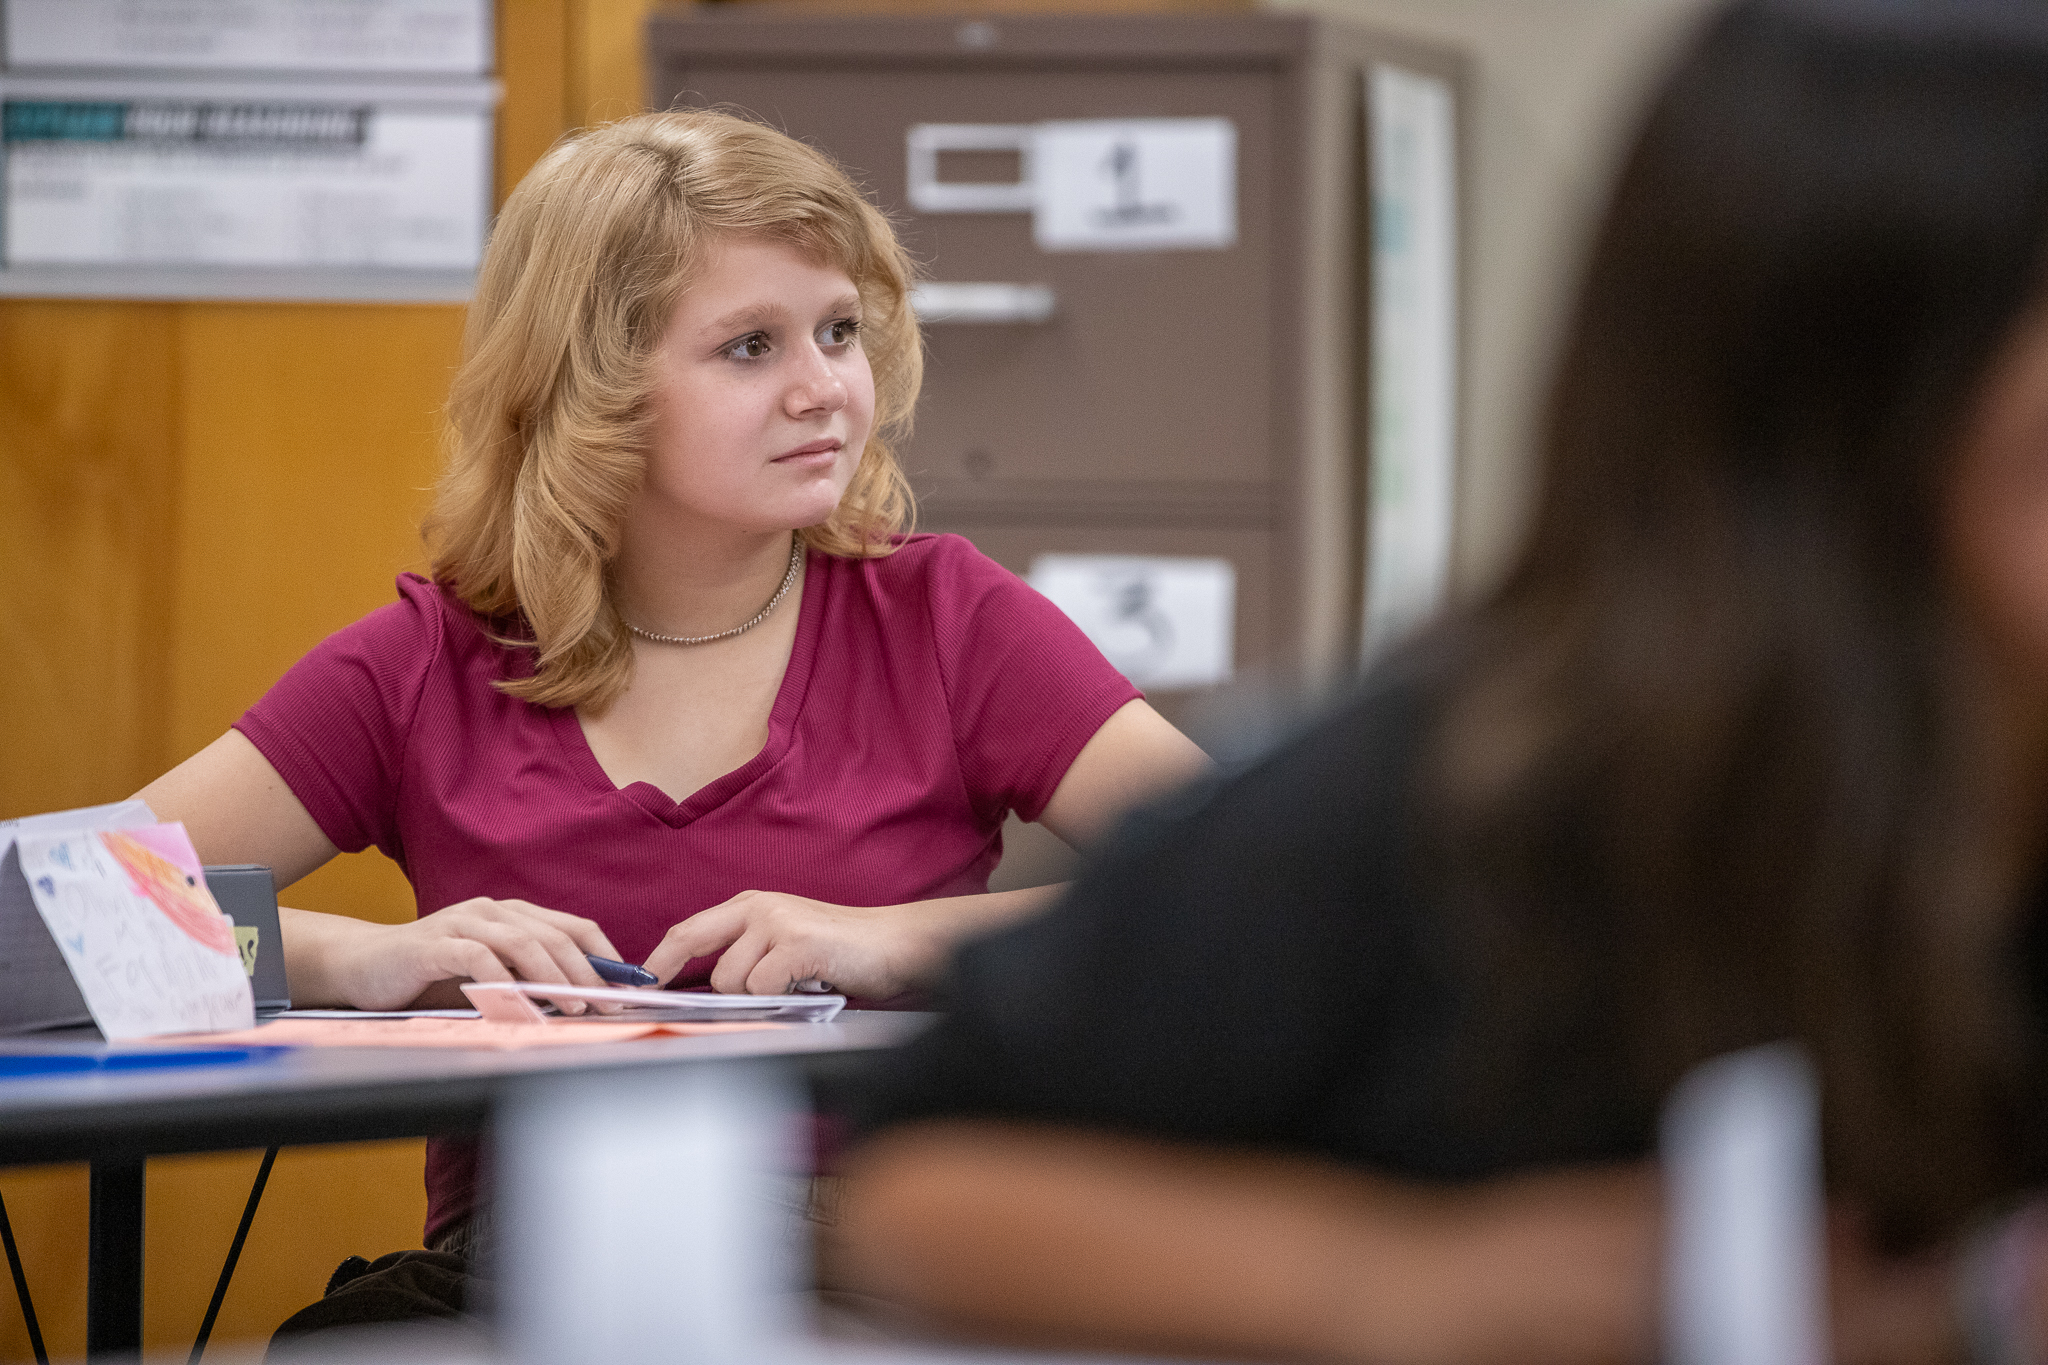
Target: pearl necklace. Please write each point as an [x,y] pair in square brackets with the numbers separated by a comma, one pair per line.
[796,563]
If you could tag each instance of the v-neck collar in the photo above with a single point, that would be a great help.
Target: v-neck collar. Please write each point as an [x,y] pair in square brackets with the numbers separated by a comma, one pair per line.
[789,704]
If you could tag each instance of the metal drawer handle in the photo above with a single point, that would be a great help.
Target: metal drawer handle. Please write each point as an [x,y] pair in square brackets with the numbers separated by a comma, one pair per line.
[929,194]
[996,303]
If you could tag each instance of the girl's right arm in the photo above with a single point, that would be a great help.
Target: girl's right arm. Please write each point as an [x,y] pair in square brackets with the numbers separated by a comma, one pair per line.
[238,810]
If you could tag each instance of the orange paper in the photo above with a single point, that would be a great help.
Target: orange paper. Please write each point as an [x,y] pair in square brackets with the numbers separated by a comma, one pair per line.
[480,1033]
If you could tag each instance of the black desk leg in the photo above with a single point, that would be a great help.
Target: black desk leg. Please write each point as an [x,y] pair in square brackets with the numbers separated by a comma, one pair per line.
[113,1277]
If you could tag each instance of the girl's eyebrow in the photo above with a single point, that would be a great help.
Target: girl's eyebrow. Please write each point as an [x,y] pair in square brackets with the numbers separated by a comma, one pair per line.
[765,314]
[753,315]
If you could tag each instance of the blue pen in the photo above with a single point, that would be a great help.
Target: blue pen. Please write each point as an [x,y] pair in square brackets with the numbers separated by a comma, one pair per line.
[621,973]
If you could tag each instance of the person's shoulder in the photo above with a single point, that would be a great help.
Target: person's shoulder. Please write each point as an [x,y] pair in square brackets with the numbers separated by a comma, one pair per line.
[942,576]
[924,559]
[425,617]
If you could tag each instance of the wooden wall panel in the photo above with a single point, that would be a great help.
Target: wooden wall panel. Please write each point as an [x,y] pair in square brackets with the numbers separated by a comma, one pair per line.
[322,1204]
[46,1207]
[533,61]
[605,75]
[88,396]
[309,443]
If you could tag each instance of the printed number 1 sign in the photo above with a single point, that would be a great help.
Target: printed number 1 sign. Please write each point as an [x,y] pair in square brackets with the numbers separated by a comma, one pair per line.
[1135,184]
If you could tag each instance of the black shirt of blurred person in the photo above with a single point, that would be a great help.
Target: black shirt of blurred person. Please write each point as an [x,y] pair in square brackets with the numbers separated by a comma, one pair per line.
[1280,960]
[1266,961]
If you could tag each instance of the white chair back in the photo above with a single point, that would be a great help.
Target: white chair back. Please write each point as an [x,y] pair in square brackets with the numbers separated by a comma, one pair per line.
[1745,1253]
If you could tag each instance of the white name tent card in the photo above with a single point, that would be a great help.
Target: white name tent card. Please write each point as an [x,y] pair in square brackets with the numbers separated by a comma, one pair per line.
[127,906]
[36,989]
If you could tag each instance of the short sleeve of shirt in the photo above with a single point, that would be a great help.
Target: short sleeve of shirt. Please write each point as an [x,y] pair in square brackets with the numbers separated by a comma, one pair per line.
[1026,689]
[335,725]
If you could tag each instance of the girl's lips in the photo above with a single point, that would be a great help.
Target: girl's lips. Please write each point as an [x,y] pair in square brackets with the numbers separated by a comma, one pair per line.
[812,451]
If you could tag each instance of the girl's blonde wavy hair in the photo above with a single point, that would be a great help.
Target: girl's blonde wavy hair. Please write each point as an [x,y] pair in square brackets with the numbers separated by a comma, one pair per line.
[549,413]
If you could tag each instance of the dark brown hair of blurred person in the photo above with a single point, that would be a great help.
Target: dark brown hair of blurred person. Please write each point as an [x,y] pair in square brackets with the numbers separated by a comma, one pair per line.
[1722,714]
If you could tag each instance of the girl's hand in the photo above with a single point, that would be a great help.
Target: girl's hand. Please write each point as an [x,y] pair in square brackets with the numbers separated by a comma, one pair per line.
[384,967]
[771,939]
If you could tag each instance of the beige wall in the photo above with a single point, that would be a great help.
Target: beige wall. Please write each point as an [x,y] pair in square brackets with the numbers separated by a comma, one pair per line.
[1555,88]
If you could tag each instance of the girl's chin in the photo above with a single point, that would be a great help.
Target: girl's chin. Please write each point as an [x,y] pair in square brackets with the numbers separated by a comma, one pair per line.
[807,503]
[810,505]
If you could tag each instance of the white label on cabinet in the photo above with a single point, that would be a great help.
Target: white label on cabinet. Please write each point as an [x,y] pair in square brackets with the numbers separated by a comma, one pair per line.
[1135,184]
[1164,622]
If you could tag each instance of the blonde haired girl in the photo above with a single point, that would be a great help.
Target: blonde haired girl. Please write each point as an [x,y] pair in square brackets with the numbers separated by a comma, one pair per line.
[679,690]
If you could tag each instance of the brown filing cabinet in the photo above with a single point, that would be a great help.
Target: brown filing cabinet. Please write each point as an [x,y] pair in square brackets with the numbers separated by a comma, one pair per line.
[1205,400]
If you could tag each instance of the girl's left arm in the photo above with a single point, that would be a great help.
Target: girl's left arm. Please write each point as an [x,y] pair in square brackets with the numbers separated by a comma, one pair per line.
[771,939]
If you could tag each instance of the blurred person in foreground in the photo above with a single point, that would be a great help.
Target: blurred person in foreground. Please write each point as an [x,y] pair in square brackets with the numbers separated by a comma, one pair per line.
[1358,1055]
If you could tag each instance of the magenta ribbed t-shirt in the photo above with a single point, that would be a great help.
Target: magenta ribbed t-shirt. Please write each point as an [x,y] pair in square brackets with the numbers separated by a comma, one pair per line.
[929,693]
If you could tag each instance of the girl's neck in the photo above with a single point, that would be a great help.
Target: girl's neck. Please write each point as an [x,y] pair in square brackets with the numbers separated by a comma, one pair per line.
[698,585]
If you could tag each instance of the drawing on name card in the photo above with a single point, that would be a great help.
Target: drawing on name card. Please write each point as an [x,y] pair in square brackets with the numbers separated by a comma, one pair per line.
[182,896]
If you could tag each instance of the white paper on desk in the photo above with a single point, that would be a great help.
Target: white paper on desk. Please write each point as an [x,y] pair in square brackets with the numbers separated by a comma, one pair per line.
[647,1005]
[375,1014]
[36,989]
[130,910]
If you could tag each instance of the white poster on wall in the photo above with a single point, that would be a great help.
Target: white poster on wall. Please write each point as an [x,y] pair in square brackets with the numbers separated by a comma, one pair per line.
[1412,485]
[1163,621]
[445,37]
[263,182]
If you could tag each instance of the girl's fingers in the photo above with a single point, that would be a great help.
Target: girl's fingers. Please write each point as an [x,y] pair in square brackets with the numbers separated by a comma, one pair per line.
[700,935]
[584,933]
[456,958]
[730,976]
[518,948]
[779,968]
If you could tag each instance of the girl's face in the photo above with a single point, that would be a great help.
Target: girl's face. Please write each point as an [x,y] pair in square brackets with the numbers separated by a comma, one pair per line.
[1997,521]
[763,398]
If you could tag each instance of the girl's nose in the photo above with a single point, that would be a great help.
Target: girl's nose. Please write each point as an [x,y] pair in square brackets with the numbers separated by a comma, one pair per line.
[818,386]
